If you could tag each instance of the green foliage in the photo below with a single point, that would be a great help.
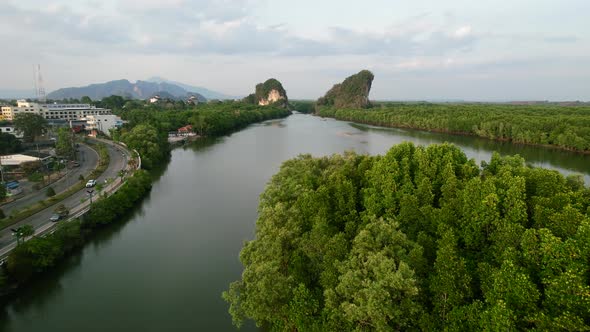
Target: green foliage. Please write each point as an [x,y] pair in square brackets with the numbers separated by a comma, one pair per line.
[353,92]
[30,125]
[36,177]
[417,239]
[9,144]
[250,99]
[263,90]
[64,146]
[41,253]
[50,192]
[113,102]
[27,230]
[151,144]
[110,209]
[30,167]
[2,215]
[303,106]
[560,126]
[3,192]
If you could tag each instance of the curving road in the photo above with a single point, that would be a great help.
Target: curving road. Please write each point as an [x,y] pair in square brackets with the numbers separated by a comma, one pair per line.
[118,161]
[88,162]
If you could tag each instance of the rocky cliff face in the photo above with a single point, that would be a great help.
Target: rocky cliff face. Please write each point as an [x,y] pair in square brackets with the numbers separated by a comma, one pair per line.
[273,97]
[353,92]
[269,92]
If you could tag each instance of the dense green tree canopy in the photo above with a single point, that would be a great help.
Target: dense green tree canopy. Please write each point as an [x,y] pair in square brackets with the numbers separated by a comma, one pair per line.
[9,144]
[30,125]
[149,143]
[352,92]
[64,146]
[561,126]
[418,239]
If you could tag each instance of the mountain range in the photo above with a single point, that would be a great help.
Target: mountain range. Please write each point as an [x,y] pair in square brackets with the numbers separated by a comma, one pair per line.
[138,90]
[209,94]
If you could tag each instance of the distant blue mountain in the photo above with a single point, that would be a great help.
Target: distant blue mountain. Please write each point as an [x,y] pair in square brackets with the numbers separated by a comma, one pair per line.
[209,94]
[124,88]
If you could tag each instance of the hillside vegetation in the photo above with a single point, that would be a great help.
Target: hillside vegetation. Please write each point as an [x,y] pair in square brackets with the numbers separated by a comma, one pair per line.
[353,92]
[267,93]
[560,126]
[418,239]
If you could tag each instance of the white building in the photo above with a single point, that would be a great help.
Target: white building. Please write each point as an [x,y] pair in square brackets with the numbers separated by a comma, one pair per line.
[103,123]
[17,159]
[52,111]
[10,130]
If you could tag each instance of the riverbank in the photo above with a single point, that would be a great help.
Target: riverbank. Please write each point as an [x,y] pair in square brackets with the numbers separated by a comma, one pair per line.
[27,260]
[557,127]
[179,246]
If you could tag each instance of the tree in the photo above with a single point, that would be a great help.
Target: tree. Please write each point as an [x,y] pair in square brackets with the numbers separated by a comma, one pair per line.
[30,125]
[2,215]
[64,146]
[86,100]
[9,144]
[27,230]
[378,288]
[148,142]
[450,283]
[30,167]
[2,192]
[50,192]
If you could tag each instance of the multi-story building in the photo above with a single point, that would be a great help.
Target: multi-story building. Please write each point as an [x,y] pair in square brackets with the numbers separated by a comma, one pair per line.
[103,123]
[52,111]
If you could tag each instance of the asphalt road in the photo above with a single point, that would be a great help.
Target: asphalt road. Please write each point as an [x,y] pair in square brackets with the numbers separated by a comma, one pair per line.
[118,162]
[88,161]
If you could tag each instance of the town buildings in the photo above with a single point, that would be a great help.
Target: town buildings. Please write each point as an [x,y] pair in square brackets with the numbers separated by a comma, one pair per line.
[52,111]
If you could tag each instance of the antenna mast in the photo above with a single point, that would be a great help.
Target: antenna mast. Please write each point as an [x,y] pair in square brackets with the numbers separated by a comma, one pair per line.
[35,82]
[40,87]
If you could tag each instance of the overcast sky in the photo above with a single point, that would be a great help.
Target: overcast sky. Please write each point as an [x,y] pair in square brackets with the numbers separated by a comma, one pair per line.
[419,49]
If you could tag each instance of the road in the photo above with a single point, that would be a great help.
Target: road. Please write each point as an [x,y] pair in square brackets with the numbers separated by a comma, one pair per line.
[88,162]
[118,161]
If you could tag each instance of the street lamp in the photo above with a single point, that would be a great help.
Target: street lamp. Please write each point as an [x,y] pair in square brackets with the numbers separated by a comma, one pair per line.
[90,193]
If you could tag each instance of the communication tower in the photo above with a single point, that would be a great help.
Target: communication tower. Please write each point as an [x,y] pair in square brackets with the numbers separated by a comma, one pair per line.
[39,86]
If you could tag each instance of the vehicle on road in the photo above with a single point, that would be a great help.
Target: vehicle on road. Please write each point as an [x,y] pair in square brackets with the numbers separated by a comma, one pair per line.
[90,183]
[55,217]
[75,164]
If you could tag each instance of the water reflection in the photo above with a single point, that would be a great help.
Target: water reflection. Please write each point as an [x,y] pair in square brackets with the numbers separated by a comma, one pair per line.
[165,268]
[567,162]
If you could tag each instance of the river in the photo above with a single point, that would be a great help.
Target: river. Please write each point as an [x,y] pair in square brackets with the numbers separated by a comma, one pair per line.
[165,267]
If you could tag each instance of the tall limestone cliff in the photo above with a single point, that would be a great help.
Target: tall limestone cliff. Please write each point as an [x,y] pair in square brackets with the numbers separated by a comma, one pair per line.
[353,92]
[269,92]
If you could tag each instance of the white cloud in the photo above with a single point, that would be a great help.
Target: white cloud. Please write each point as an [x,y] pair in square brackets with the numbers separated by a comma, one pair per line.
[462,32]
[118,37]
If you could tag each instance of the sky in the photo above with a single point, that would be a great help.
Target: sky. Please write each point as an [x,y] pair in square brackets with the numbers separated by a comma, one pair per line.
[486,50]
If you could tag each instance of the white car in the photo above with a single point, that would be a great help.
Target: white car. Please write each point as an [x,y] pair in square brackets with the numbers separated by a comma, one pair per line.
[90,183]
